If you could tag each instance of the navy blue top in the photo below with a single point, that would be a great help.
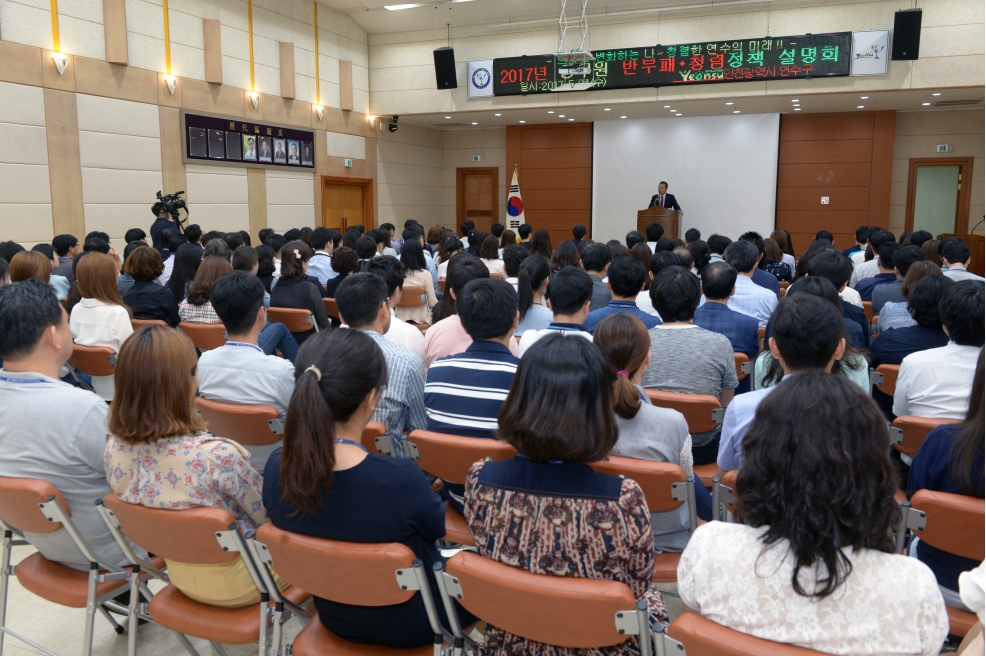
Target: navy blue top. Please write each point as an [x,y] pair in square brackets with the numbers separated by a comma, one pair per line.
[858,316]
[740,329]
[766,280]
[853,249]
[895,344]
[866,285]
[854,334]
[930,471]
[379,500]
[563,479]
[160,225]
[619,307]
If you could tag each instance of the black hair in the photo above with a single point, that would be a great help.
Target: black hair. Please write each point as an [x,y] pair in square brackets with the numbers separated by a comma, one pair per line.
[961,311]
[512,257]
[194,233]
[754,238]
[534,270]
[701,254]
[832,265]
[294,234]
[907,256]
[662,260]
[366,247]
[44,249]
[663,244]
[626,277]
[880,237]
[388,226]
[564,256]
[743,255]
[654,231]
[321,237]
[265,261]
[175,240]
[569,290]
[824,234]
[236,298]
[409,223]
[462,269]
[390,269]
[806,330]
[157,208]
[413,256]
[350,238]
[918,238]
[633,238]
[246,236]
[579,231]
[497,230]
[489,248]
[595,257]
[886,253]
[487,308]
[924,300]
[719,243]
[234,240]
[692,234]
[541,244]
[96,245]
[244,258]
[955,251]
[188,257]
[861,234]
[61,244]
[618,250]
[99,234]
[264,234]
[134,234]
[466,227]
[131,247]
[358,298]
[524,230]
[345,260]
[675,294]
[29,309]
[718,280]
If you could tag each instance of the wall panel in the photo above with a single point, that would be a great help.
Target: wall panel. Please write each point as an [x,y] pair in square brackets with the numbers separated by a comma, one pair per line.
[410,176]
[290,200]
[220,197]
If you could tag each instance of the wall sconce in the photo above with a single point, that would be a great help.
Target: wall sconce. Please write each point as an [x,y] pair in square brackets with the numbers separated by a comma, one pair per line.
[319,111]
[255,99]
[171,81]
[373,121]
[61,61]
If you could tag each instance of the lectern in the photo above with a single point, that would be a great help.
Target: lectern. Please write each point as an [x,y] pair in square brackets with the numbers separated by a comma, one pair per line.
[667,217]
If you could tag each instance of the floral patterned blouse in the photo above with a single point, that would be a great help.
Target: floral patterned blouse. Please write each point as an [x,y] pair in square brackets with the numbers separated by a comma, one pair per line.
[562,519]
[187,471]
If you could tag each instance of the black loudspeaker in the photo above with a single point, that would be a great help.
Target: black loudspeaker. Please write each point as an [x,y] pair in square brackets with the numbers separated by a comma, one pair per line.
[445,68]
[907,34]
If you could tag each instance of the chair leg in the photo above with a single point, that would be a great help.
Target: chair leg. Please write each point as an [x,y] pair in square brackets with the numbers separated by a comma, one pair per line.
[218,648]
[132,617]
[277,638]
[91,607]
[264,646]
[8,536]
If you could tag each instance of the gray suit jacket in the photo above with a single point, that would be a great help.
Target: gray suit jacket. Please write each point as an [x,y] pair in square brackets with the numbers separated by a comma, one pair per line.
[601,296]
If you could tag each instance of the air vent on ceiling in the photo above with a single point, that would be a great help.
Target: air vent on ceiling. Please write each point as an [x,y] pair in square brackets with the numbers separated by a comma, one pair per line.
[957,103]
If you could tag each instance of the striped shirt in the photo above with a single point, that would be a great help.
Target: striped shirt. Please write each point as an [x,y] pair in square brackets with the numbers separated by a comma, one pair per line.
[401,406]
[198,313]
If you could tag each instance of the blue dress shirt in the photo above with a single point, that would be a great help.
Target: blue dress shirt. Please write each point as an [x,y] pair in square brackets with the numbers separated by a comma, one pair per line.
[619,307]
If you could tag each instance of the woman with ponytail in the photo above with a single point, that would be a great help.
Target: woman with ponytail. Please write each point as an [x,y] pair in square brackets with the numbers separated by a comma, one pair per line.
[647,432]
[324,483]
[532,282]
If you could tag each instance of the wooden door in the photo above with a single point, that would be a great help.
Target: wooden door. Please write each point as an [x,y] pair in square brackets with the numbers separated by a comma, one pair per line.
[917,217]
[342,205]
[477,191]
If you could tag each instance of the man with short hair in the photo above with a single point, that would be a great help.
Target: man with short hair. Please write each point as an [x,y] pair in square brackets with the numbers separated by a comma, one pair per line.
[568,296]
[193,233]
[50,430]
[692,234]
[497,230]
[389,268]
[918,238]
[890,293]
[825,234]
[364,305]
[60,283]
[886,276]
[834,267]
[633,238]
[596,260]
[860,241]
[807,336]
[626,279]
[663,199]
[66,247]
[654,233]
[956,256]
[513,256]
[524,232]
[718,245]
[760,277]
[320,264]
[135,234]
[718,285]
[687,358]
[239,371]
[749,298]
[467,227]
[578,232]
[464,392]
[935,383]
[162,221]
[863,269]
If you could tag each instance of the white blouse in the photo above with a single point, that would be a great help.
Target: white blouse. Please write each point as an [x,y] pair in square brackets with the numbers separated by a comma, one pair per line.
[94,323]
[495,266]
[888,605]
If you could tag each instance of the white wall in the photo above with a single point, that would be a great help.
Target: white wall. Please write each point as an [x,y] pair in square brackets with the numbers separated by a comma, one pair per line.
[290,199]
[409,176]
[25,193]
[218,197]
[721,169]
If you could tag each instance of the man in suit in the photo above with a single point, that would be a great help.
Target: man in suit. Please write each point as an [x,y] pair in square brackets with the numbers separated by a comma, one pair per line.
[279,155]
[265,150]
[663,199]
[718,285]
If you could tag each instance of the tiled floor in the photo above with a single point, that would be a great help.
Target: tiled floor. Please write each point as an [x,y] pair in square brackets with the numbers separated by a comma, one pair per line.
[60,629]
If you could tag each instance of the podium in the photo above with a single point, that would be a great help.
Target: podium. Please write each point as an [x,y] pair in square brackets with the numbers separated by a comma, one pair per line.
[666,217]
[975,244]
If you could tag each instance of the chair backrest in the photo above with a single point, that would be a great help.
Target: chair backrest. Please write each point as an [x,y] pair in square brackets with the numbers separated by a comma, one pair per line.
[955,523]
[411,297]
[184,536]
[373,430]
[245,424]
[441,285]
[296,320]
[890,373]
[726,493]
[140,323]
[868,309]
[496,276]
[19,499]
[331,308]
[343,572]
[93,360]
[654,478]
[912,431]
[703,412]
[450,456]
[782,289]
[761,333]
[743,366]
[554,610]
[702,637]
[205,336]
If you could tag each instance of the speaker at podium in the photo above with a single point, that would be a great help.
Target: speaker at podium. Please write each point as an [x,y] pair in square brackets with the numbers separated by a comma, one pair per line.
[666,217]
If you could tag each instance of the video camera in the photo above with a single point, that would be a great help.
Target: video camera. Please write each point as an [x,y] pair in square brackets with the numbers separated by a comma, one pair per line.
[171,203]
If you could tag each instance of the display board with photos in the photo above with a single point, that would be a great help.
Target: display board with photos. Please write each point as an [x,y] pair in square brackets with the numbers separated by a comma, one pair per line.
[232,140]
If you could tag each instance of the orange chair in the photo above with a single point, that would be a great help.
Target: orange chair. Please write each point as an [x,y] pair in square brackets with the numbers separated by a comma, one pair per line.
[702,637]
[348,573]
[560,611]
[868,309]
[782,291]
[665,487]
[331,308]
[907,434]
[953,523]
[249,425]
[376,431]
[704,414]
[743,365]
[441,285]
[724,495]
[496,276]
[449,457]
[93,360]
[412,297]
[884,378]
[140,323]
[205,336]
[296,320]
[204,536]
[761,333]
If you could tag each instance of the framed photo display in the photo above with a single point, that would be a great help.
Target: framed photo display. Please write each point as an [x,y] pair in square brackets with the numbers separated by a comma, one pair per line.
[232,141]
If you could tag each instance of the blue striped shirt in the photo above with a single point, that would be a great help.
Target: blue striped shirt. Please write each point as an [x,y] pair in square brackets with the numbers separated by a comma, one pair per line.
[400,407]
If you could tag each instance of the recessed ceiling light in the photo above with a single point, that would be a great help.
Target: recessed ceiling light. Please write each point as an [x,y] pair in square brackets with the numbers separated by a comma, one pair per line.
[795,100]
[736,111]
[550,111]
[623,117]
[667,107]
[797,109]
[729,103]
[862,106]
[925,104]
[475,123]
[936,93]
[677,114]
[448,117]
[498,115]
[561,116]
[571,119]
[607,109]
[797,105]
[864,97]
[522,121]
[399,7]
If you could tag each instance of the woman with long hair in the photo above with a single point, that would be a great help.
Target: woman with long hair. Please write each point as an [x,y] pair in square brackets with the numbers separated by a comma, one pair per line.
[188,258]
[196,307]
[265,266]
[100,318]
[567,254]
[772,261]
[811,561]
[899,315]
[932,251]
[323,479]
[642,255]
[160,455]
[532,284]
[783,240]
[295,289]
[489,253]
[416,274]
[450,247]
[541,244]
[507,239]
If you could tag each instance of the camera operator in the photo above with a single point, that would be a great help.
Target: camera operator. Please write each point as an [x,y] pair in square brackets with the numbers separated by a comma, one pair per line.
[162,222]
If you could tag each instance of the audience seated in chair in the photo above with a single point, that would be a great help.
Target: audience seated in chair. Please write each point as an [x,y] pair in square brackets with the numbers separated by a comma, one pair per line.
[956,257]
[532,284]
[324,241]
[159,455]
[197,308]
[569,294]
[812,562]
[718,286]
[401,333]
[686,358]
[626,278]
[146,298]
[596,260]
[885,276]
[749,298]
[364,305]
[830,264]
[464,392]
[50,430]
[892,292]
[868,268]
[416,274]
[296,289]
[513,256]
[758,275]
[344,262]
[545,510]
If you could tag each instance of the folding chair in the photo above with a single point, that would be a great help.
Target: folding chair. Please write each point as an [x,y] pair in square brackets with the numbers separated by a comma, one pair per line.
[441,285]
[331,308]
[496,276]
[724,496]
[884,378]
[205,336]
[702,637]
[554,610]
[92,360]
[868,309]
[704,414]
[140,323]
[296,320]
[249,425]
[783,289]
[347,573]
[375,439]
[412,297]
[30,505]
[205,536]
[907,434]
[449,457]
[665,487]
[953,523]
[743,365]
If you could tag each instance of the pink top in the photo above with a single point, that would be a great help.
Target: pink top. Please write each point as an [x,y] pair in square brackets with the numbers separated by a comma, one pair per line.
[448,337]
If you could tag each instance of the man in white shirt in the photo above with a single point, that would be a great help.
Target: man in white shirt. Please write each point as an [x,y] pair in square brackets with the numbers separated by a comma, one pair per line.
[870,269]
[569,297]
[957,256]
[324,240]
[400,332]
[240,371]
[936,382]
[750,298]
[654,233]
